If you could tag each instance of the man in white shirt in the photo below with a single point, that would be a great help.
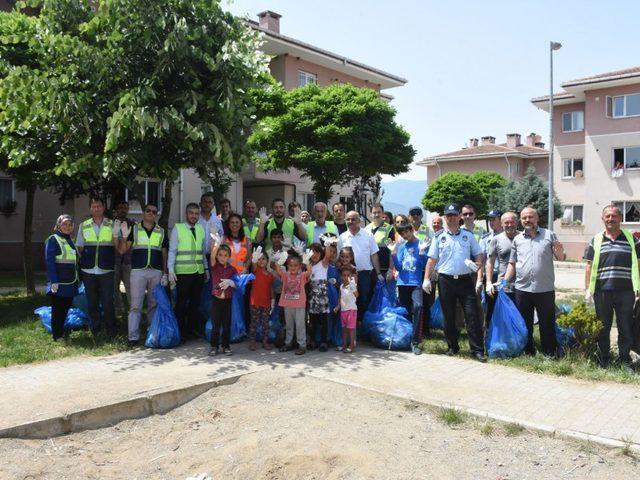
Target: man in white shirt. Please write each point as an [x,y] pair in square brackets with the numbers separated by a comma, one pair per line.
[209,220]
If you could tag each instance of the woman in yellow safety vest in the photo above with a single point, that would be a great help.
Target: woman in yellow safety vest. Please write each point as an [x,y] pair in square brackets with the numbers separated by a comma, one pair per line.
[62,273]
[239,243]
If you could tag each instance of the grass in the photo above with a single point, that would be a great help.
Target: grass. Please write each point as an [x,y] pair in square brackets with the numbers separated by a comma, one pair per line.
[513,429]
[487,429]
[23,339]
[452,417]
[571,365]
[16,279]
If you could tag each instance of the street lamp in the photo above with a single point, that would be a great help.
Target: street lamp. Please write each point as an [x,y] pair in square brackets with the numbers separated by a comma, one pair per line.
[552,46]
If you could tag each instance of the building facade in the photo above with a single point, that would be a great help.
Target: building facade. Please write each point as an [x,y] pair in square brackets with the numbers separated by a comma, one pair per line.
[596,122]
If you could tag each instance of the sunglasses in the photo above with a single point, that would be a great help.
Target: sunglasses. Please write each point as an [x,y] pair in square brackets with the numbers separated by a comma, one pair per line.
[148,210]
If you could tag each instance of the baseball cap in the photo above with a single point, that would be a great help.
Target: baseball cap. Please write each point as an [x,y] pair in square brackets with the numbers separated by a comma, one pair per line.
[451,209]
[494,213]
[415,211]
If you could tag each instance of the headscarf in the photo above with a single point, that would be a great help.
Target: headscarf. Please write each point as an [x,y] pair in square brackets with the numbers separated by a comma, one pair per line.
[63,218]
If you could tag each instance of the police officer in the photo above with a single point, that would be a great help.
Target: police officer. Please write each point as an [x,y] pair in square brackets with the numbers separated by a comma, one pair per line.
[420,230]
[452,251]
[491,271]
[382,233]
[321,225]
[469,219]
[96,243]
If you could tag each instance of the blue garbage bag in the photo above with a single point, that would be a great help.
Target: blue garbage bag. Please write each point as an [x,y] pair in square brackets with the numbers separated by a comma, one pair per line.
[437,317]
[384,296]
[335,325]
[76,318]
[238,328]
[80,300]
[392,332]
[507,335]
[163,331]
[565,337]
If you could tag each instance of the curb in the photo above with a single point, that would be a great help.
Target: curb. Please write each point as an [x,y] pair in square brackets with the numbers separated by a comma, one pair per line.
[108,415]
[536,427]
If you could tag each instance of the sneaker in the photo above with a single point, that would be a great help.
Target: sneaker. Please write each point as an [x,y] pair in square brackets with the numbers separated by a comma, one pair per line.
[323,347]
[416,349]
[286,348]
[213,352]
[301,351]
[228,352]
[451,352]
[479,357]
[267,346]
[338,348]
[347,350]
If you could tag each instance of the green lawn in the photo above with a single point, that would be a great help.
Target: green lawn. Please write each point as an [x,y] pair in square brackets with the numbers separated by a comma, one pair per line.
[23,339]
[16,279]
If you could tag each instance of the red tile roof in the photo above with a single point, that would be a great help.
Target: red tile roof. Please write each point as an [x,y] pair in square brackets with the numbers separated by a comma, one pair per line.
[487,150]
[627,72]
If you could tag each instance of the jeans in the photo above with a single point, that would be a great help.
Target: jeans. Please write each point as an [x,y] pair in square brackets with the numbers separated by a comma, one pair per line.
[620,302]
[544,304]
[143,280]
[452,291]
[365,291]
[411,298]
[59,308]
[121,273]
[99,291]
[220,320]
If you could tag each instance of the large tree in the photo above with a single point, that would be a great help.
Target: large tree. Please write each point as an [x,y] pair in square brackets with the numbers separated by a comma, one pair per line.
[454,187]
[333,135]
[489,183]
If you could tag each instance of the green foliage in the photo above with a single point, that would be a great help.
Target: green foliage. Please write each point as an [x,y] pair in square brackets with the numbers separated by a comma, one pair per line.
[586,326]
[452,417]
[457,188]
[489,182]
[333,135]
[530,190]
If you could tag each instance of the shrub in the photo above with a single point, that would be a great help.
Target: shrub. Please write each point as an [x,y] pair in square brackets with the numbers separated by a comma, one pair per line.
[585,324]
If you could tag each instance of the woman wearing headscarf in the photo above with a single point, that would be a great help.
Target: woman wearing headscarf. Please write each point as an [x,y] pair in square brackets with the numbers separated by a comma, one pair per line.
[62,273]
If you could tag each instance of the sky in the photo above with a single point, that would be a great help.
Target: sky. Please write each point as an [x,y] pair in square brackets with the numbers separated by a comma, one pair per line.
[472,67]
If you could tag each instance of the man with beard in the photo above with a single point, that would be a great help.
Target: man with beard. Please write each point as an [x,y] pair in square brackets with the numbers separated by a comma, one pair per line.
[290,227]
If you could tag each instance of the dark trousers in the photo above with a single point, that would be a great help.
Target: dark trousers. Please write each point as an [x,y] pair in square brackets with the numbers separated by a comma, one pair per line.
[620,302]
[99,291]
[410,297]
[365,290]
[319,321]
[220,320]
[461,289]
[491,301]
[59,308]
[427,302]
[188,293]
[545,306]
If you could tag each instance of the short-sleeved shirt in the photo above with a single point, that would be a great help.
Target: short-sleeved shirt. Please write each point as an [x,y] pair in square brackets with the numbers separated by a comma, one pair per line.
[614,266]
[452,249]
[410,263]
[293,293]
[165,239]
[363,245]
[500,246]
[533,258]
[261,288]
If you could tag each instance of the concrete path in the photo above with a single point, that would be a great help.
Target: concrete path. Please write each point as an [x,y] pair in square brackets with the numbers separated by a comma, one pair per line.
[604,412]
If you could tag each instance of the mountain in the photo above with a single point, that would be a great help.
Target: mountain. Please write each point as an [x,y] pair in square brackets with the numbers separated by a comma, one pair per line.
[400,195]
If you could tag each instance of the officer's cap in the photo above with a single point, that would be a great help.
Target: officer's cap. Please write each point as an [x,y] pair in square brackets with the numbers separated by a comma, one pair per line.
[452,209]
[494,214]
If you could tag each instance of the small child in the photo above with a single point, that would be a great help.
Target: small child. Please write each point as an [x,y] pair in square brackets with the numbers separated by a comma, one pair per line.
[222,285]
[348,308]
[261,298]
[319,295]
[346,257]
[293,297]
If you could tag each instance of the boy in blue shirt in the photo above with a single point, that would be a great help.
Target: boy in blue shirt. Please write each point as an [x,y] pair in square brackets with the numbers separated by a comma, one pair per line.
[409,259]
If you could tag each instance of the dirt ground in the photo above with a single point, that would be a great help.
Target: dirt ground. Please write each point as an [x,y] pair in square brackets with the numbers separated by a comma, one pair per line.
[276,425]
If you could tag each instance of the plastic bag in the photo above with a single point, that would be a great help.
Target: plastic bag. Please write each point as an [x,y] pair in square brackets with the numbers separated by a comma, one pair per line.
[392,332]
[163,331]
[80,300]
[565,337]
[507,335]
[238,327]
[437,317]
[76,319]
[335,325]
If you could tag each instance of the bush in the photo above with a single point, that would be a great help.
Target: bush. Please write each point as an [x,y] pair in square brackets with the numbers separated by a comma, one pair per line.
[586,326]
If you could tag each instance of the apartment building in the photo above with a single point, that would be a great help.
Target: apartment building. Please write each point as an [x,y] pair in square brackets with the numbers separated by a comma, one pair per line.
[294,63]
[596,122]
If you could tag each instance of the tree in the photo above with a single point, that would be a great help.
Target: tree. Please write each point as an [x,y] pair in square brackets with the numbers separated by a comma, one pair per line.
[489,183]
[528,191]
[333,135]
[454,187]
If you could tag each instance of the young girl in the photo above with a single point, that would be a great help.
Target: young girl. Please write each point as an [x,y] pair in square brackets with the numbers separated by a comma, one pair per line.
[293,298]
[261,297]
[348,308]
[319,295]
[346,257]
[333,279]
[222,285]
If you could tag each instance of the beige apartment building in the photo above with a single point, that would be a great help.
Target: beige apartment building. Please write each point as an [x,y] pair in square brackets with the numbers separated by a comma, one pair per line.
[596,153]
[293,63]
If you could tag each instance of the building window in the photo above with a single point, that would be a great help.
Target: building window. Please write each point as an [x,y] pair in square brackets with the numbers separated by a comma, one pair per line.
[626,157]
[7,195]
[572,168]
[623,106]
[348,203]
[306,77]
[143,192]
[306,200]
[630,211]
[572,215]
[573,121]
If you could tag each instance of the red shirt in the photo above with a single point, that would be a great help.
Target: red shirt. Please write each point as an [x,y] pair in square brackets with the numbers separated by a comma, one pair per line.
[261,288]
[293,294]
[220,272]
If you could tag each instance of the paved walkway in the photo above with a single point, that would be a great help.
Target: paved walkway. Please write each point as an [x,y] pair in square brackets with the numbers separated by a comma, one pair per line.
[581,408]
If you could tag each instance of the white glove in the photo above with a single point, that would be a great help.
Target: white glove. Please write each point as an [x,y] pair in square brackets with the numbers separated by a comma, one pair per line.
[352,284]
[426,286]
[273,305]
[164,281]
[380,277]
[306,257]
[297,215]
[227,283]
[262,213]
[116,229]
[588,296]
[392,246]
[125,230]
[54,287]
[422,246]
[389,275]
[216,241]
[326,240]
[257,253]
[173,278]
[471,264]
[281,258]
[332,281]
[490,289]
[299,249]
[479,286]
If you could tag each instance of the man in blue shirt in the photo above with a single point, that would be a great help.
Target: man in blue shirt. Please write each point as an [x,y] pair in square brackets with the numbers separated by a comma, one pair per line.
[452,251]
[409,260]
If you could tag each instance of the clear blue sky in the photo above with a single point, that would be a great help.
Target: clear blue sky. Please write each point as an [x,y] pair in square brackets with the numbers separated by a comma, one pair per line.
[472,66]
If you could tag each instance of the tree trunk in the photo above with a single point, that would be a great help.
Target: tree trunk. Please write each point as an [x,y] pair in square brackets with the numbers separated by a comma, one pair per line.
[166,204]
[27,241]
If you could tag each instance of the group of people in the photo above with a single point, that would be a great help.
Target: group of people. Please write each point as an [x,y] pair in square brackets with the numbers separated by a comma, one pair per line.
[299,259]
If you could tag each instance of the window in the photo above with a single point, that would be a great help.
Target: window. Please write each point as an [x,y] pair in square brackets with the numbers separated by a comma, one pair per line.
[572,215]
[570,166]
[142,192]
[7,195]
[630,211]
[573,121]
[307,201]
[623,106]
[349,203]
[306,77]
[627,157]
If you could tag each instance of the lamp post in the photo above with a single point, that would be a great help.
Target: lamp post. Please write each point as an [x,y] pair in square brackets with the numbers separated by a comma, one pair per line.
[550,215]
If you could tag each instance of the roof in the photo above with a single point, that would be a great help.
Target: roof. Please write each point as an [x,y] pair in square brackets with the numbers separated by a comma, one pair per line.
[275,42]
[603,77]
[484,151]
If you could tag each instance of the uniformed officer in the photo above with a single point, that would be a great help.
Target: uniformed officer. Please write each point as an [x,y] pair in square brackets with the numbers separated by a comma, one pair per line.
[491,272]
[382,233]
[469,219]
[452,251]
[420,230]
